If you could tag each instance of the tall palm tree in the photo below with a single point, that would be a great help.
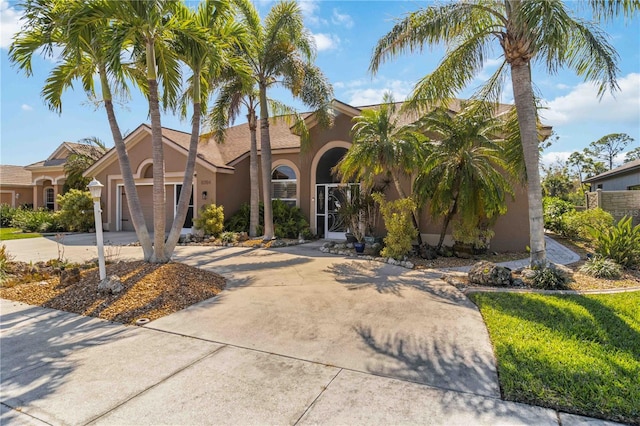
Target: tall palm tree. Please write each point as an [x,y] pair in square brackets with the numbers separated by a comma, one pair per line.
[537,30]
[280,51]
[206,61]
[381,145]
[53,24]
[462,174]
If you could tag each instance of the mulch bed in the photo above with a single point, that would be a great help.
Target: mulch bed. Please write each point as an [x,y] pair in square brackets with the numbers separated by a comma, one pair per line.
[150,290]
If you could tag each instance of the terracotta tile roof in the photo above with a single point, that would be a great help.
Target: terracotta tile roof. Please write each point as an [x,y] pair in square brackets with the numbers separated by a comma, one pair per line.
[14,175]
[206,150]
[84,149]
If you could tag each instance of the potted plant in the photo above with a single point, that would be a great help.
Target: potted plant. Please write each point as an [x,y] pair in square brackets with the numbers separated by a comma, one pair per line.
[352,212]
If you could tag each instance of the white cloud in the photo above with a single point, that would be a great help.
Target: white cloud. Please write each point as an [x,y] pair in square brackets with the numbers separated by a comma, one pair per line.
[326,41]
[551,158]
[309,9]
[26,107]
[9,24]
[562,86]
[582,104]
[341,19]
[362,93]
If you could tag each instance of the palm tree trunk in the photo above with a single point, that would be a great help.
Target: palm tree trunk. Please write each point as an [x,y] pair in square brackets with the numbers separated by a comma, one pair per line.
[265,156]
[445,225]
[159,191]
[254,217]
[187,181]
[414,215]
[133,202]
[527,120]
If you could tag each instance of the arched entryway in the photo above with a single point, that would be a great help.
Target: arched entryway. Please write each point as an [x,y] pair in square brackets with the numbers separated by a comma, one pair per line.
[328,193]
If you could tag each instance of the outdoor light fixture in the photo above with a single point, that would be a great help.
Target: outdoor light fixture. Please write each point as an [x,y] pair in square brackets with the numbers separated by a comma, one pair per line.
[95,188]
[204,195]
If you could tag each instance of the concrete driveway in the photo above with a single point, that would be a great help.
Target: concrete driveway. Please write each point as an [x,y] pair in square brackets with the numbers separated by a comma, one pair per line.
[297,337]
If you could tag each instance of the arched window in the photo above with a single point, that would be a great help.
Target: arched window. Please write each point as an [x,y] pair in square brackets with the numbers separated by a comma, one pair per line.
[284,185]
[49,199]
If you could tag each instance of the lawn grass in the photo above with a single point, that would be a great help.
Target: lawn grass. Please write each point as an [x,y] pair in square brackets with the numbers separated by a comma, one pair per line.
[16,234]
[578,354]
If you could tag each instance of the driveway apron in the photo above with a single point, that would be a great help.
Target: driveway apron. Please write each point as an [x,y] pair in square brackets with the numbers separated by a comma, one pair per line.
[354,314]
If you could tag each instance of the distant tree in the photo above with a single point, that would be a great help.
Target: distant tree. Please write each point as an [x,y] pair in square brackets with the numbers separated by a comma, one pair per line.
[608,147]
[80,161]
[557,182]
[634,154]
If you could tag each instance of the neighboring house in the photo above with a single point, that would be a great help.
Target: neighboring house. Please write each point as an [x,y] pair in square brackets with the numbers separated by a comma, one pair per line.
[300,177]
[39,184]
[617,191]
[625,177]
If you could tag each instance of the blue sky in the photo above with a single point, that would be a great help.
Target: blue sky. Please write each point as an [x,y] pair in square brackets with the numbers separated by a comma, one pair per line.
[345,34]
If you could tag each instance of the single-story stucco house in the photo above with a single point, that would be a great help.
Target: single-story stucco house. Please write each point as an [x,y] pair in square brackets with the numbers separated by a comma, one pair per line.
[38,184]
[300,177]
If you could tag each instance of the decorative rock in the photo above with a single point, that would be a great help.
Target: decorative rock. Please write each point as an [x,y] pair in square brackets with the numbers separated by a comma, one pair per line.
[428,252]
[328,244]
[341,246]
[111,285]
[392,261]
[349,245]
[487,273]
[408,265]
[278,243]
[69,276]
[517,282]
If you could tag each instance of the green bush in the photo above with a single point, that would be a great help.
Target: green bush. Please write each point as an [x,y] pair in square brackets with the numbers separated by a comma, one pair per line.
[229,237]
[6,215]
[620,243]
[41,220]
[210,219]
[239,221]
[549,278]
[578,225]
[5,258]
[553,209]
[601,267]
[288,222]
[76,211]
[397,220]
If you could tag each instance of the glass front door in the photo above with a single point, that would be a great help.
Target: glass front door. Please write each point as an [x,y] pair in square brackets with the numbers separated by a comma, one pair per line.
[329,198]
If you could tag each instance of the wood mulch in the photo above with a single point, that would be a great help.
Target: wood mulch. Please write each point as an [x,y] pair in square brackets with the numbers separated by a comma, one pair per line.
[150,290]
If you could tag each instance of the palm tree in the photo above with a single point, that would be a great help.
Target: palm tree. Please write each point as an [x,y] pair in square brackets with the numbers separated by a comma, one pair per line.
[526,31]
[89,151]
[206,61]
[280,51]
[381,145]
[84,54]
[462,174]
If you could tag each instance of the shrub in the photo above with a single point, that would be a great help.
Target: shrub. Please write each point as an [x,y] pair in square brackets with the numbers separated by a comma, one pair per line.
[239,221]
[41,220]
[549,278]
[229,237]
[288,221]
[601,267]
[76,211]
[5,258]
[397,220]
[553,209]
[620,243]
[210,219]
[578,224]
[6,215]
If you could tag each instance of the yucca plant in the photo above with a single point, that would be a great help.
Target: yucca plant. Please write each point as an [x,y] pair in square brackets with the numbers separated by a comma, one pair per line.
[620,243]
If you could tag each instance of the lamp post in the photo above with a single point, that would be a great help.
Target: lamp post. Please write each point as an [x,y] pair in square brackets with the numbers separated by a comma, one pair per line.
[95,188]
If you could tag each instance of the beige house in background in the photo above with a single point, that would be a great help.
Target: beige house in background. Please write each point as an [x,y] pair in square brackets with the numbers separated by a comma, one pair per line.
[38,184]
[301,178]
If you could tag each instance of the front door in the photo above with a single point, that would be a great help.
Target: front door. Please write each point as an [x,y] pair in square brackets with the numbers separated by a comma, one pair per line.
[329,198]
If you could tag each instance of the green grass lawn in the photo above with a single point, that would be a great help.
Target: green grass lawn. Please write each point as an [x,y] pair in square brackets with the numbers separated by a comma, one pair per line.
[16,234]
[579,354]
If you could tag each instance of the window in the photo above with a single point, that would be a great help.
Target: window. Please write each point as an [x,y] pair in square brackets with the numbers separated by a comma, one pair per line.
[284,185]
[49,199]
